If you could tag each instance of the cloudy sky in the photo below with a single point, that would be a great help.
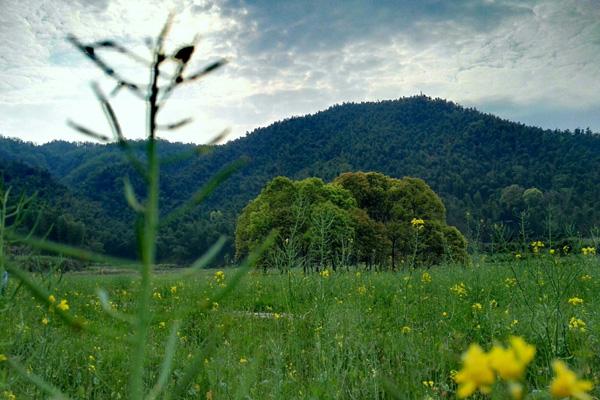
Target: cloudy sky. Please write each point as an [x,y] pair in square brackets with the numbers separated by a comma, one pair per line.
[537,62]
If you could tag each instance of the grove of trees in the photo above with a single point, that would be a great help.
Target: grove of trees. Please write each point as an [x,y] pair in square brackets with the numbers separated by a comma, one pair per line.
[359,218]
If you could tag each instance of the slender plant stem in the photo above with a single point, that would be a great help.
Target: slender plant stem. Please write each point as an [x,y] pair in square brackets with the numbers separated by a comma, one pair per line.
[148,239]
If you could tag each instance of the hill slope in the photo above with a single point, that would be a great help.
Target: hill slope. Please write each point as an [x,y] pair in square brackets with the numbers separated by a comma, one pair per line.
[476,162]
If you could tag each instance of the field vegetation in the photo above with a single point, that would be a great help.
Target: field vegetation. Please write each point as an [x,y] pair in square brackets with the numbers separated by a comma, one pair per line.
[404,313]
[348,334]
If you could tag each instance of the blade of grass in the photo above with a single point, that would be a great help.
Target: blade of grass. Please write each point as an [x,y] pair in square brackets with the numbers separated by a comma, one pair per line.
[52,391]
[42,295]
[167,364]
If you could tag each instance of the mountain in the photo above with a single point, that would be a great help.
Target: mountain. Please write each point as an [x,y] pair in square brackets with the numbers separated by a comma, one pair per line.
[486,169]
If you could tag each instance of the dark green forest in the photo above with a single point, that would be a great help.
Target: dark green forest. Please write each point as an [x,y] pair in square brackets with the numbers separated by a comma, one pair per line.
[492,174]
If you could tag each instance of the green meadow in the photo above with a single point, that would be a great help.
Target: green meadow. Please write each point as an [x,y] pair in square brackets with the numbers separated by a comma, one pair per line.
[350,334]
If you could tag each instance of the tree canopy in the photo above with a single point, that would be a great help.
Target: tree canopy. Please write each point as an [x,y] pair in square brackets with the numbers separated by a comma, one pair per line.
[358,218]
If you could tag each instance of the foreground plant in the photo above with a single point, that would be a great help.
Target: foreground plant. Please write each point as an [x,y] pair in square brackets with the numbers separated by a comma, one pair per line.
[155,94]
[482,370]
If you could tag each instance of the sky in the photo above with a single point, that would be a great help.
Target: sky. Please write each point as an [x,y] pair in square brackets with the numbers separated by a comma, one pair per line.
[535,62]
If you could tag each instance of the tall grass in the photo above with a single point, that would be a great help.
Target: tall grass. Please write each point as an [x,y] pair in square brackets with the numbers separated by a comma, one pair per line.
[138,319]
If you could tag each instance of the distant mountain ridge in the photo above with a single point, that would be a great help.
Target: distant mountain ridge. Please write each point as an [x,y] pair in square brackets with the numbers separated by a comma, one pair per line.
[471,159]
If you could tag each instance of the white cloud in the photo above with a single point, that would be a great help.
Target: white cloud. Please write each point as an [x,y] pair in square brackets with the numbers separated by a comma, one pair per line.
[520,59]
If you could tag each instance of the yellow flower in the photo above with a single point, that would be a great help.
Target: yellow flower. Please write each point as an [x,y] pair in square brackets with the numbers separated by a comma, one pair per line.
[162,324]
[426,277]
[325,273]
[243,360]
[8,395]
[577,324]
[589,251]
[428,384]
[52,299]
[537,245]
[173,289]
[63,305]
[565,383]
[406,329]
[417,223]
[459,289]
[585,278]
[219,276]
[3,357]
[476,373]
[45,321]
[510,282]
[362,290]
[510,363]
[575,301]
[477,307]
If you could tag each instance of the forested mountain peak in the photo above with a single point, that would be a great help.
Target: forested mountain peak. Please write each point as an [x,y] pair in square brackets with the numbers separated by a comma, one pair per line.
[479,164]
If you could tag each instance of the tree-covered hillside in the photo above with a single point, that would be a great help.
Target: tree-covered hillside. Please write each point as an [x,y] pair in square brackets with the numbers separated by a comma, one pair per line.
[487,170]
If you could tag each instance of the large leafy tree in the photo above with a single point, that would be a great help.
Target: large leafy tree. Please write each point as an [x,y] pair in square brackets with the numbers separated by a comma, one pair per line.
[394,203]
[313,221]
[358,218]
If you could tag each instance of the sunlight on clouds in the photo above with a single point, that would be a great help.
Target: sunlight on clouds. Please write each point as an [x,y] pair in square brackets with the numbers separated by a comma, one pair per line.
[514,58]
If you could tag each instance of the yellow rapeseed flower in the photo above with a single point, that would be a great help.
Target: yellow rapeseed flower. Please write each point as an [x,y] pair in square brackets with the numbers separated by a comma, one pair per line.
[173,289]
[510,363]
[589,251]
[565,383]
[52,299]
[577,324]
[476,373]
[325,273]
[426,277]
[45,321]
[63,305]
[219,276]
[459,289]
[575,301]
[417,223]
[8,395]
[477,307]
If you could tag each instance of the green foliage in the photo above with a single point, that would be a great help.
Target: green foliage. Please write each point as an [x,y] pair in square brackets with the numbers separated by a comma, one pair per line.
[467,157]
[312,220]
[358,218]
[291,336]
[394,203]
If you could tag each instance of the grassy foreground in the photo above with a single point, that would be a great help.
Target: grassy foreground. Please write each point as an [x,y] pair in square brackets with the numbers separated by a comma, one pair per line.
[333,335]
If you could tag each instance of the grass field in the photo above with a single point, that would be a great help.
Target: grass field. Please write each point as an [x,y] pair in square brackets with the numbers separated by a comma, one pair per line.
[322,336]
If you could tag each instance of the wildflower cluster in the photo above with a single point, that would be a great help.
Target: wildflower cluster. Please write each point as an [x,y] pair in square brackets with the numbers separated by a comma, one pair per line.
[325,273]
[576,324]
[480,371]
[417,223]
[219,277]
[63,305]
[589,251]
[565,383]
[536,246]
[459,289]
[575,301]
[426,277]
